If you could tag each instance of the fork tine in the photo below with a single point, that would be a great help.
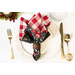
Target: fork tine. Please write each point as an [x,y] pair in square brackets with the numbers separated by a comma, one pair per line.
[9,32]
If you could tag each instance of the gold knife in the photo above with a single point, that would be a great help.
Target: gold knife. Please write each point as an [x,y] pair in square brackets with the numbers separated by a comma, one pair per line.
[62,48]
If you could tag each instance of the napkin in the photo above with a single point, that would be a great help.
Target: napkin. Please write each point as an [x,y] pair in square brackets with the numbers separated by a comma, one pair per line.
[35,31]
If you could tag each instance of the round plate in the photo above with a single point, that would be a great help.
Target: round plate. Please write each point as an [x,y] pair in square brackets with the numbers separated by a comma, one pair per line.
[49,48]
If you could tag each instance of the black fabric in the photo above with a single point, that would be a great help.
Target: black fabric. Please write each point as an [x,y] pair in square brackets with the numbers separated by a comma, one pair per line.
[27,38]
[37,52]
[33,39]
[30,37]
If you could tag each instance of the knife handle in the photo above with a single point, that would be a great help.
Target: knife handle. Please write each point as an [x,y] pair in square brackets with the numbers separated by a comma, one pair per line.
[62,51]
[62,56]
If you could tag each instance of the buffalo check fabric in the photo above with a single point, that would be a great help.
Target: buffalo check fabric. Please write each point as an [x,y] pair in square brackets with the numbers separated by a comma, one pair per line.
[22,27]
[37,23]
[34,31]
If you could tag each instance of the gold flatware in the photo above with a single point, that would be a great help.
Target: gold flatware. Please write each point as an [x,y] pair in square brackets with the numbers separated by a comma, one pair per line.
[62,48]
[9,33]
[68,56]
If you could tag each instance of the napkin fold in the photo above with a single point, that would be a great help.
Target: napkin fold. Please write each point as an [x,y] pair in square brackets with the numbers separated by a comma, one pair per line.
[34,31]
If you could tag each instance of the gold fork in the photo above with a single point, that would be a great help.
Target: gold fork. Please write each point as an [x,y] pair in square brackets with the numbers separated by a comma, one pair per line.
[9,33]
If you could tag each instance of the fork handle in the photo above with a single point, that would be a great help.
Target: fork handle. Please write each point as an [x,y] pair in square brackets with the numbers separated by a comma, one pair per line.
[11,51]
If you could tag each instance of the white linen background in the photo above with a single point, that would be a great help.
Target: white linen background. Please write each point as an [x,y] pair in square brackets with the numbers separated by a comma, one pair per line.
[5,45]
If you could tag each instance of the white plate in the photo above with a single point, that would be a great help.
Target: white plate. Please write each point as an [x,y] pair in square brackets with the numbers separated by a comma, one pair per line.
[49,48]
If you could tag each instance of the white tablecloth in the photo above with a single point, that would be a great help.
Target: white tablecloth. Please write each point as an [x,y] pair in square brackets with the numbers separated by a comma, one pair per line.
[69,27]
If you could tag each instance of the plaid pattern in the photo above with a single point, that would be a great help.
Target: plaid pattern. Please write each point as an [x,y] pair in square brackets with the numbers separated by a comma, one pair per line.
[45,23]
[37,23]
[22,27]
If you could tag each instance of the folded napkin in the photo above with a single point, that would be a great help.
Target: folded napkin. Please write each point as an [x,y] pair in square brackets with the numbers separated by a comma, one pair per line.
[39,23]
[34,31]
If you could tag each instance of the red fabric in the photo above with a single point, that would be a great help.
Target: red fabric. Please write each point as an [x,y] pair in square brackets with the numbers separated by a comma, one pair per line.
[45,17]
[37,23]
[34,31]
[34,54]
[34,20]
[30,34]
[37,35]
[22,27]
[22,18]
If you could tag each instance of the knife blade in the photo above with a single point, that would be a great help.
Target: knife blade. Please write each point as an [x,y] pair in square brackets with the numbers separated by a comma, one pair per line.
[62,47]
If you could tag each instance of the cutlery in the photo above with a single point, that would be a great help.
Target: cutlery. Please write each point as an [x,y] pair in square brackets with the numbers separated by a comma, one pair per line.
[62,48]
[68,56]
[9,33]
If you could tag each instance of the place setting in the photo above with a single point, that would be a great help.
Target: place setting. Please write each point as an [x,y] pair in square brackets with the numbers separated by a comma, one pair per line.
[37,36]
[66,39]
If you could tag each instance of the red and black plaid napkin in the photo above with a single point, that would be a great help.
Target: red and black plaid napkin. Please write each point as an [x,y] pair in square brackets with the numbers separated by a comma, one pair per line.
[34,30]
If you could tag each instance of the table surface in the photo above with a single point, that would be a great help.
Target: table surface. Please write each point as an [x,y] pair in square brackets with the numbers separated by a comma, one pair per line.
[68,26]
